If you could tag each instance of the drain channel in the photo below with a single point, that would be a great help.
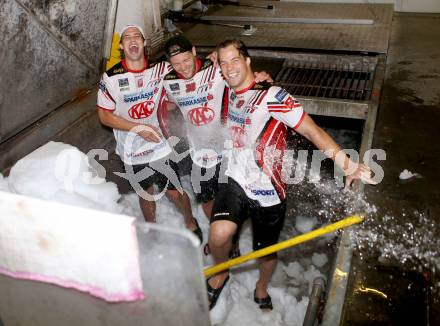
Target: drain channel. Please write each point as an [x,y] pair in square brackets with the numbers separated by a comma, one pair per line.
[302,78]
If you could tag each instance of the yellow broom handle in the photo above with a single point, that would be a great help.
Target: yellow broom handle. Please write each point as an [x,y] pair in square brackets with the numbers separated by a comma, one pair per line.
[283,245]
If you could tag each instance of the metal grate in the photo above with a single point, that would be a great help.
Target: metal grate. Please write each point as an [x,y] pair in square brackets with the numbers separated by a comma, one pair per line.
[327,80]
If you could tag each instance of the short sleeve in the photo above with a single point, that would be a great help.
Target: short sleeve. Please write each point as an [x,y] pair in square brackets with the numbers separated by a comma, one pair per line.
[105,98]
[283,107]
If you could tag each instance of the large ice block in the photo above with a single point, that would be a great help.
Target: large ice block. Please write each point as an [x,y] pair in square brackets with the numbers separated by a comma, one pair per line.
[170,264]
[88,250]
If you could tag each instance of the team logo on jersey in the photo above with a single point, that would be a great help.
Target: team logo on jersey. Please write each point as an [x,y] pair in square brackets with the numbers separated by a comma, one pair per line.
[140,83]
[210,97]
[291,103]
[201,116]
[141,110]
[281,94]
[123,82]
[238,136]
[190,87]
[240,104]
[175,87]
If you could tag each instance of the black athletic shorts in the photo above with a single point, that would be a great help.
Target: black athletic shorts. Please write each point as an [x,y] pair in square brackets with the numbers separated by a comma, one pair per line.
[164,173]
[209,188]
[232,204]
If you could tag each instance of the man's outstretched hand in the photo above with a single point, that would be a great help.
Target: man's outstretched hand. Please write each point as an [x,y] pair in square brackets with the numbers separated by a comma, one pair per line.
[361,172]
[150,133]
[263,76]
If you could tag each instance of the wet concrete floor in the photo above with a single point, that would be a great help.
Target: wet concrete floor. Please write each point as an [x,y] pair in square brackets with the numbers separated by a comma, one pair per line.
[407,129]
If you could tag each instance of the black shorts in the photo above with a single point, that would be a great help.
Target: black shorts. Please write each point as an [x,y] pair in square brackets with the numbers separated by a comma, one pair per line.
[209,188]
[164,173]
[232,204]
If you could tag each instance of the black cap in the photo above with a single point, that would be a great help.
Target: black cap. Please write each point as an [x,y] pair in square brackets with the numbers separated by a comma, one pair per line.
[176,45]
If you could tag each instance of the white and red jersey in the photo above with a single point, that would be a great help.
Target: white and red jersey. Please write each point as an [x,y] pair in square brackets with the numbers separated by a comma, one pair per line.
[258,118]
[200,99]
[135,96]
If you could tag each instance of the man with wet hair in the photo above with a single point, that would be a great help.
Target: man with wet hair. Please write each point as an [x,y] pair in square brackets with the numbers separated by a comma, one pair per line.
[258,118]
[129,101]
[196,87]
[199,90]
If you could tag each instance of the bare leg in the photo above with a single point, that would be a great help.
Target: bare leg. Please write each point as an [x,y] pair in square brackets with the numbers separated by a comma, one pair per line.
[267,267]
[184,206]
[207,208]
[220,243]
[148,207]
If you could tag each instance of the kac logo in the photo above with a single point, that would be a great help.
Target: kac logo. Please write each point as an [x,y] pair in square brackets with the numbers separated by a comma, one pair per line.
[201,116]
[141,110]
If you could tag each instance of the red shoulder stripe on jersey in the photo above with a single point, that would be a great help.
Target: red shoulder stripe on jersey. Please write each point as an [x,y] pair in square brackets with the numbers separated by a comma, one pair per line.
[206,73]
[278,107]
[204,76]
[251,100]
[209,74]
[280,111]
[162,69]
[157,69]
[213,72]
[105,109]
[263,95]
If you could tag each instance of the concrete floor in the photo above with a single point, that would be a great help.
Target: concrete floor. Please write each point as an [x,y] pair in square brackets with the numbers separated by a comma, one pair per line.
[406,129]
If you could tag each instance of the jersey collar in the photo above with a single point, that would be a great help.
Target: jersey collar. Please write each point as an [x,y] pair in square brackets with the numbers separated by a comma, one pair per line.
[241,91]
[124,64]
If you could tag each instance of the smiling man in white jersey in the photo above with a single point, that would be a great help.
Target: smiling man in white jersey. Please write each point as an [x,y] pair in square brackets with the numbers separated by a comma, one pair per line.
[258,119]
[199,90]
[129,101]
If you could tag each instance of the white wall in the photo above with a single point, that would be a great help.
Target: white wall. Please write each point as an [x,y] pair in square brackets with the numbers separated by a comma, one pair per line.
[145,14]
[426,6]
[418,5]
[129,12]
[343,1]
[168,4]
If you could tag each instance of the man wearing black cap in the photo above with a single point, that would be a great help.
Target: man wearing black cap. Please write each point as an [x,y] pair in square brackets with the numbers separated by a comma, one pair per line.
[129,101]
[198,89]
